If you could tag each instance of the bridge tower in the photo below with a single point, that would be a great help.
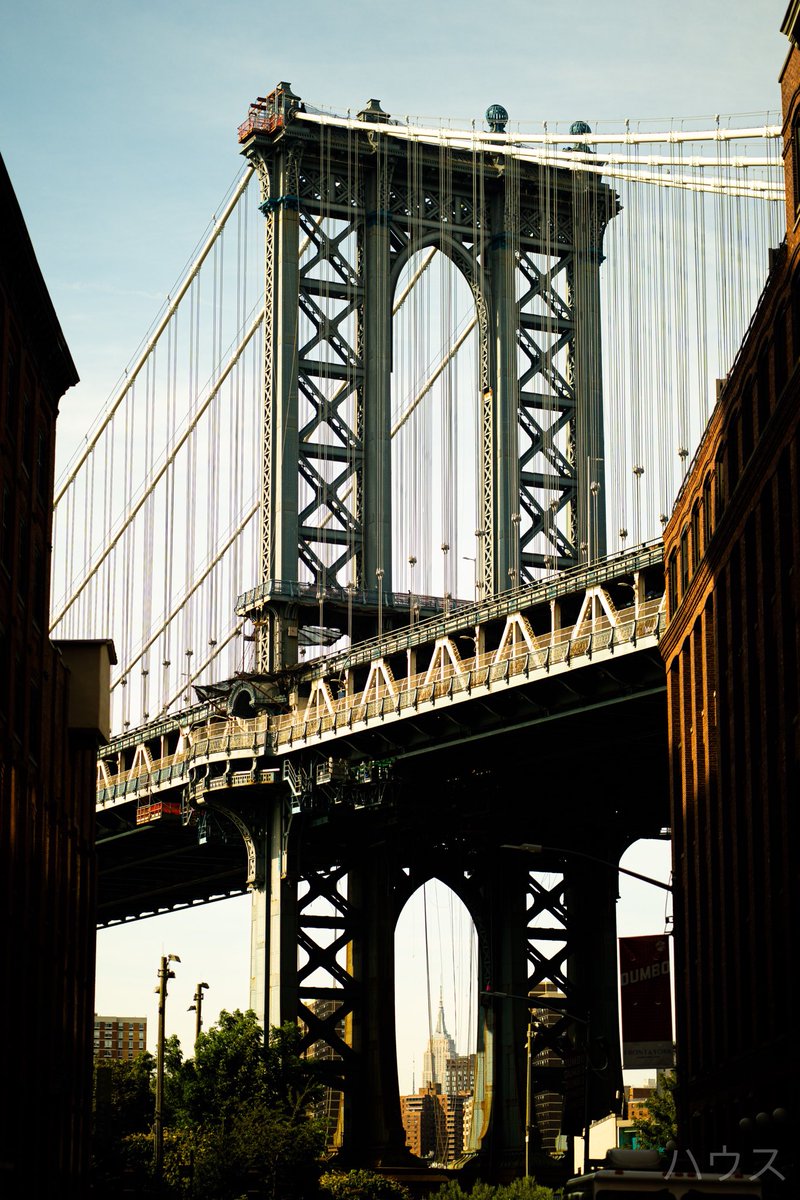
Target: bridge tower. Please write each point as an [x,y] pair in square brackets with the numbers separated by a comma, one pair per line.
[346,206]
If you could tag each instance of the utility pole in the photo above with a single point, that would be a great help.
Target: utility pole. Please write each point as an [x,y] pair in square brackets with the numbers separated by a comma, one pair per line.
[197,1008]
[164,973]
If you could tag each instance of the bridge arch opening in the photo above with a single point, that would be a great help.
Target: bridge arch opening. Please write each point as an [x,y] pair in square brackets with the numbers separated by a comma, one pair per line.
[435,391]
[436,1006]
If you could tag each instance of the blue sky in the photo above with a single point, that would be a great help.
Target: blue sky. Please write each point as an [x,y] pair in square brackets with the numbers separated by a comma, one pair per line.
[118,121]
[118,128]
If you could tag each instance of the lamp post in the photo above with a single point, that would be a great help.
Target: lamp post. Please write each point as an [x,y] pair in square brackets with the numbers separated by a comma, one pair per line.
[197,1008]
[445,592]
[412,562]
[164,973]
[474,561]
[379,577]
[514,570]
[479,564]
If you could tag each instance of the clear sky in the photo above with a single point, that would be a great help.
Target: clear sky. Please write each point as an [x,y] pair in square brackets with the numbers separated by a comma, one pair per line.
[118,128]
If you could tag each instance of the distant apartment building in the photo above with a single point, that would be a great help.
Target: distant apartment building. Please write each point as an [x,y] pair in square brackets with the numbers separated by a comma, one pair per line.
[547,1064]
[119,1037]
[435,1124]
[637,1100]
[459,1075]
[322,1015]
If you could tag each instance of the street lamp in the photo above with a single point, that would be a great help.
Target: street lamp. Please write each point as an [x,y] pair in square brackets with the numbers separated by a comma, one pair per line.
[412,562]
[197,1008]
[445,593]
[532,848]
[474,561]
[164,973]
[514,570]
[379,577]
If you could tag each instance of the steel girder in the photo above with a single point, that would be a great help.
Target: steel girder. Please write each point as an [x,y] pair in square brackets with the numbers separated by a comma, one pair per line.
[344,213]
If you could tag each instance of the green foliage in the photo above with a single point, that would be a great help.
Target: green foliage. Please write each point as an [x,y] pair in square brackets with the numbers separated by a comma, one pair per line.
[237,1117]
[661,1123]
[518,1189]
[360,1185]
[123,1108]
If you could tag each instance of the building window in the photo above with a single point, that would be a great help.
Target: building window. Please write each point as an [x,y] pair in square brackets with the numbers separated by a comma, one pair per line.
[38,605]
[695,535]
[27,430]
[684,557]
[748,421]
[12,385]
[795,302]
[23,561]
[708,515]
[7,536]
[781,363]
[42,466]
[733,449]
[762,386]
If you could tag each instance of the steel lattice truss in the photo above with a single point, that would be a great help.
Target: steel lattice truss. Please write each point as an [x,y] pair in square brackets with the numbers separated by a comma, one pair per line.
[345,213]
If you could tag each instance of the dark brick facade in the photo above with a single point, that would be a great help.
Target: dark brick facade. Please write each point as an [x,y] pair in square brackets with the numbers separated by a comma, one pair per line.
[47,767]
[732,548]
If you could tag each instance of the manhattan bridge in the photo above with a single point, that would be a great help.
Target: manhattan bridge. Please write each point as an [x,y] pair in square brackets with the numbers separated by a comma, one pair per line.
[374,519]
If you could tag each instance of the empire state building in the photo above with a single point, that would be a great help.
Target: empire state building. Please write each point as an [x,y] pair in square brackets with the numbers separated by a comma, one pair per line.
[441,1050]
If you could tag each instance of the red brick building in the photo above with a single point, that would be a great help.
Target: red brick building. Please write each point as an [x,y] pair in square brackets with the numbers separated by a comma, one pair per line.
[119,1037]
[53,703]
[732,548]
[435,1123]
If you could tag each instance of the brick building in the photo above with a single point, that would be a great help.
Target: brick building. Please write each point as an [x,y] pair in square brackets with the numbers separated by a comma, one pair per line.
[732,548]
[53,703]
[119,1037]
[436,1123]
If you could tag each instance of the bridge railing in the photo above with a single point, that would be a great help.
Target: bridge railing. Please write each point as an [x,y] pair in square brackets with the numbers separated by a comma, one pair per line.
[496,666]
[462,615]
[268,734]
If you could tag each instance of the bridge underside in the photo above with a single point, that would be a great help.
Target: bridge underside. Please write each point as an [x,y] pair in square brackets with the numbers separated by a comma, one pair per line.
[528,764]
[447,763]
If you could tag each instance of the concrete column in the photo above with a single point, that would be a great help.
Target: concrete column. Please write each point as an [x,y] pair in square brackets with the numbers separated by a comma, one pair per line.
[505,398]
[499,1125]
[285,309]
[377,353]
[373,1130]
[273,934]
[280,448]
[588,378]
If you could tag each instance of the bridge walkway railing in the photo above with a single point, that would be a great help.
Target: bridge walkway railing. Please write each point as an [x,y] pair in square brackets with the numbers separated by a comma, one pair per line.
[448,676]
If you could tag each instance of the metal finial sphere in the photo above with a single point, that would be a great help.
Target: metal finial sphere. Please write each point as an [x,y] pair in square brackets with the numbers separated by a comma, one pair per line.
[497,116]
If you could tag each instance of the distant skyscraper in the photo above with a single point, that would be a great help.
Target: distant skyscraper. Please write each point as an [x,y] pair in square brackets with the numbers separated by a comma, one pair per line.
[437,1117]
[441,1048]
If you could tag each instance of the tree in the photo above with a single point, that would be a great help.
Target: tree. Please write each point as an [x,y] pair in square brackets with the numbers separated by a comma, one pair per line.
[518,1189]
[661,1124]
[237,1116]
[123,1112]
[360,1185]
[243,1111]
